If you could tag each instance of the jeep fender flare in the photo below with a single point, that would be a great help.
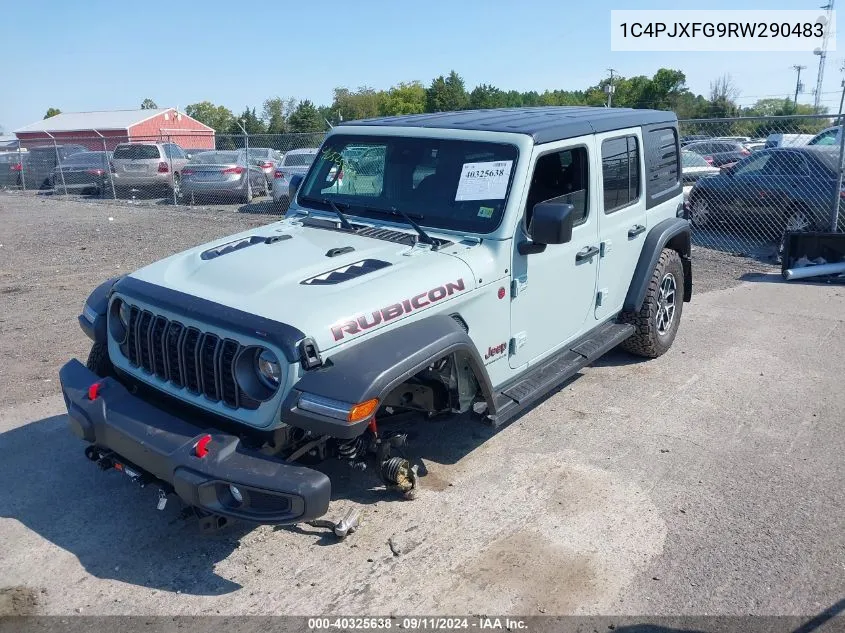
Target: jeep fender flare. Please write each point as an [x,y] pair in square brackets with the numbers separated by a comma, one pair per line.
[376,366]
[673,233]
[96,306]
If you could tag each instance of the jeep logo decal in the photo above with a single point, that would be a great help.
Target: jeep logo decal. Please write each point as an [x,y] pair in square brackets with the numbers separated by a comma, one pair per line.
[406,306]
[495,351]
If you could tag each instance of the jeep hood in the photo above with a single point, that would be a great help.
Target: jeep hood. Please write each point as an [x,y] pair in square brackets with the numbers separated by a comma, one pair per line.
[332,285]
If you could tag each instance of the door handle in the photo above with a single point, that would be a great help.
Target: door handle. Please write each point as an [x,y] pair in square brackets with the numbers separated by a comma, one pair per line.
[635,230]
[586,254]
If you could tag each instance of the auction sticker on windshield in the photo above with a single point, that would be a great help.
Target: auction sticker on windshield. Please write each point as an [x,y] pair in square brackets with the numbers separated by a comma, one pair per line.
[484,181]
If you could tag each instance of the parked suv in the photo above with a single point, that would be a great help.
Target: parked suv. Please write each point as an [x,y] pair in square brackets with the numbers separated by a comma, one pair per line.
[40,162]
[150,166]
[485,258]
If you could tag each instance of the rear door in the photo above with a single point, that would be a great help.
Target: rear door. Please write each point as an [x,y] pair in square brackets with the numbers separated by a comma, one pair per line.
[621,216]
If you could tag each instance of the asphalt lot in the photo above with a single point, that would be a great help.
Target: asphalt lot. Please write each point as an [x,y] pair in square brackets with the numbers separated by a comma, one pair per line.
[708,481]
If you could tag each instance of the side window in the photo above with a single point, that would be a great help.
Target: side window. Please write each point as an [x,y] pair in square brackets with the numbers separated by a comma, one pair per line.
[753,166]
[620,166]
[173,151]
[561,176]
[827,138]
[787,164]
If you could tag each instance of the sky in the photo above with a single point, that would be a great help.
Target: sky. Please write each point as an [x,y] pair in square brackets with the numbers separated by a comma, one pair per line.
[103,55]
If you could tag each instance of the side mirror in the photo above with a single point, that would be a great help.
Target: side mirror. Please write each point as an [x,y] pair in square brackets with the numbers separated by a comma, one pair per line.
[551,223]
[727,170]
[293,185]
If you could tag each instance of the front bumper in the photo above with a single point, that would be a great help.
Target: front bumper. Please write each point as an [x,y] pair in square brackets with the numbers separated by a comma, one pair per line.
[164,446]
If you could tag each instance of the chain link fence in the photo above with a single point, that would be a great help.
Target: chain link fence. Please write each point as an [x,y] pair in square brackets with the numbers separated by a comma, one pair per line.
[749,181]
[741,197]
[176,169]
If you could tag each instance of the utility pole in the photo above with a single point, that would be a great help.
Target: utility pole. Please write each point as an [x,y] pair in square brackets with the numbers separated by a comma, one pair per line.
[609,88]
[798,86]
[822,53]
[842,98]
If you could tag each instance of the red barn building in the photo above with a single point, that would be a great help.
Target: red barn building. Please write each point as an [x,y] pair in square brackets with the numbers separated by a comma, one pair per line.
[94,129]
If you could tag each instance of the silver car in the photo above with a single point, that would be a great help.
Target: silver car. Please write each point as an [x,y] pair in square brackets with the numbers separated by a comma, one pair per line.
[156,166]
[296,161]
[267,159]
[223,174]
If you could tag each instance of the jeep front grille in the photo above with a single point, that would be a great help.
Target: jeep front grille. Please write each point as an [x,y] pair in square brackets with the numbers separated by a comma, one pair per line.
[200,362]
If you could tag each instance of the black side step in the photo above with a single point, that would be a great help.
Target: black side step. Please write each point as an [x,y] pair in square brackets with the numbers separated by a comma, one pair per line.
[553,372]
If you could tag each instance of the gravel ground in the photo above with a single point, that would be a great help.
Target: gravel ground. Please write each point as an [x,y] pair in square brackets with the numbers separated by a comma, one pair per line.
[692,484]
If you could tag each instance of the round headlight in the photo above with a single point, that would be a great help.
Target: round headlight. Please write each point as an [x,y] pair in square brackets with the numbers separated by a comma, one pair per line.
[123,313]
[268,368]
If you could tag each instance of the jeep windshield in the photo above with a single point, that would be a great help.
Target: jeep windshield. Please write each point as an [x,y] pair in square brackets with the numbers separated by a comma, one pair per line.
[441,183]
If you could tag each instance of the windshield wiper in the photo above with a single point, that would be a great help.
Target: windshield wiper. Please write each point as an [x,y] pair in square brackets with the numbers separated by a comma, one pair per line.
[344,222]
[425,238]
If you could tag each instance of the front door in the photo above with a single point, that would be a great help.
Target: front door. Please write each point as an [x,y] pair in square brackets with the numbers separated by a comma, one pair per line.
[622,217]
[553,292]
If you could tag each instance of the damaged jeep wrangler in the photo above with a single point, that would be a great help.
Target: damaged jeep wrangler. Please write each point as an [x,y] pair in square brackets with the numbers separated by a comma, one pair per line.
[428,264]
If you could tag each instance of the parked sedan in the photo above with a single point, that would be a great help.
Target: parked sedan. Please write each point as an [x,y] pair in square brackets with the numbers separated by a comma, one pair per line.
[693,167]
[266,158]
[84,172]
[296,161]
[784,189]
[223,174]
[718,153]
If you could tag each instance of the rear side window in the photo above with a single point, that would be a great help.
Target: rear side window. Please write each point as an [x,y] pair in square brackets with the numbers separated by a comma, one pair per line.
[825,138]
[620,166]
[173,151]
[662,163]
[299,160]
[136,152]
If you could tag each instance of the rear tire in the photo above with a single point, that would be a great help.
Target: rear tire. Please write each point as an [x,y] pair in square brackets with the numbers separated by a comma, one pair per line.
[658,319]
[99,362]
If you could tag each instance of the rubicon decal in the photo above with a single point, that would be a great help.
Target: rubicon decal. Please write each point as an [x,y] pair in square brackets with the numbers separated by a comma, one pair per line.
[366,321]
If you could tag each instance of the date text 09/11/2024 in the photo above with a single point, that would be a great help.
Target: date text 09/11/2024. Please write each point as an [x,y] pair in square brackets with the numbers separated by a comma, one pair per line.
[417,623]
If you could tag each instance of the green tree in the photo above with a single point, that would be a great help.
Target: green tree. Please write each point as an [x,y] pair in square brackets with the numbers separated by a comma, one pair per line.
[250,121]
[446,94]
[305,118]
[275,113]
[148,104]
[52,112]
[218,117]
[723,94]
[403,98]
[363,103]
[486,96]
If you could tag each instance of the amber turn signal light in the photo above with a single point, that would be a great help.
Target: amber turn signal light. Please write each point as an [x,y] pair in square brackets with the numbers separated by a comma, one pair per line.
[362,411]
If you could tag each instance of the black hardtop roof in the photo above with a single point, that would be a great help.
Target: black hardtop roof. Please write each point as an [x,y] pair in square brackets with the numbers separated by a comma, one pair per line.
[543,124]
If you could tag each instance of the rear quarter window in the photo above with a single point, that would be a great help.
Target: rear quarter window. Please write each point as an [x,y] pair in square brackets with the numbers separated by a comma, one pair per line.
[136,152]
[662,163]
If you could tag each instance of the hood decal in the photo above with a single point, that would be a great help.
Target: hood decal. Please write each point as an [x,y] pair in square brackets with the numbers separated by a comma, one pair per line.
[363,322]
[345,273]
